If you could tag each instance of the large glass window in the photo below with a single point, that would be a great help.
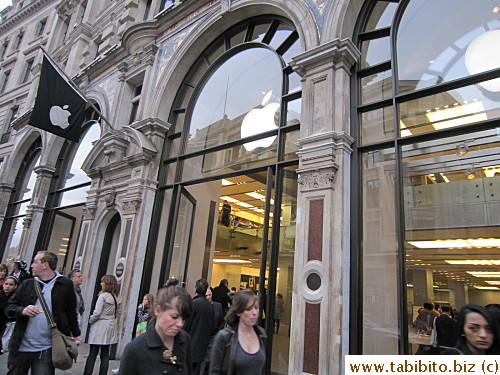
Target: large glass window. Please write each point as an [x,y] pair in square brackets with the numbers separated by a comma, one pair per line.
[427,125]
[235,124]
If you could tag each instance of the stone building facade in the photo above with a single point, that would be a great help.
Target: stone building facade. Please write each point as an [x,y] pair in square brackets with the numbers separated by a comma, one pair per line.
[330,224]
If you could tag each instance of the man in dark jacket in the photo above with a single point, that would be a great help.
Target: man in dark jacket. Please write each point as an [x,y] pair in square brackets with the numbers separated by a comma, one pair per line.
[31,342]
[446,328]
[200,326]
[221,295]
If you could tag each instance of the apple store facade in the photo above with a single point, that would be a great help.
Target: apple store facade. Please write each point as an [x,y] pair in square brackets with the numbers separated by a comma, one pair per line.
[340,155]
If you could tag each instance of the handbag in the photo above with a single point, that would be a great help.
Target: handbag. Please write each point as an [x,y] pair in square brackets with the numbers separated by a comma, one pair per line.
[64,348]
[141,328]
[7,335]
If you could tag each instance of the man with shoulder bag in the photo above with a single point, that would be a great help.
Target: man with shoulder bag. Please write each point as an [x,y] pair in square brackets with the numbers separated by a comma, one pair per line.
[32,340]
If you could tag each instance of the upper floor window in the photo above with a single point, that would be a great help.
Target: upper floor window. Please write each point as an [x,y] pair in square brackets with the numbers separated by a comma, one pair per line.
[135,103]
[3,48]
[5,81]
[27,71]
[147,9]
[40,28]
[165,4]
[19,40]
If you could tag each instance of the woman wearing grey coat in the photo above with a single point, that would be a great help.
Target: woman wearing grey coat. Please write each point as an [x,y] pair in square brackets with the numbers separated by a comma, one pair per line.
[103,325]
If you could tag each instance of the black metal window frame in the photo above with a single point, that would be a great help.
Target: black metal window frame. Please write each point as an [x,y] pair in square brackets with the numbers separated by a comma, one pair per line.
[356,278]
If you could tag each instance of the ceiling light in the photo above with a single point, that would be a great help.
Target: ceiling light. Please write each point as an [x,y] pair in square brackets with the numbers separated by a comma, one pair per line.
[471,173]
[234,261]
[478,262]
[439,244]
[487,287]
[226,182]
[405,132]
[493,282]
[256,195]
[485,242]
[455,116]
[491,171]
[243,204]
[482,55]
[462,149]
[484,274]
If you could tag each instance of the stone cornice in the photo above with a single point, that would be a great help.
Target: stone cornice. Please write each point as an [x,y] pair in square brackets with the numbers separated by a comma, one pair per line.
[27,11]
[339,53]
[337,140]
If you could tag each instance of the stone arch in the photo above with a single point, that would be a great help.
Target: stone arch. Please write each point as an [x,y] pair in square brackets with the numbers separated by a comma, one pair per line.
[341,19]
[210,28]
[23,144]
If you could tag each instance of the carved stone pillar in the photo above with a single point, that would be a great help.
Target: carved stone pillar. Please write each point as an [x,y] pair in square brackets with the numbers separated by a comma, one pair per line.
[34,212]
[321,294]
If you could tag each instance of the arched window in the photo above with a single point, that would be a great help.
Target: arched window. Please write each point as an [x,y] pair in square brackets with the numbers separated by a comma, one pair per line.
[22,193]
[427,147]
[64,209]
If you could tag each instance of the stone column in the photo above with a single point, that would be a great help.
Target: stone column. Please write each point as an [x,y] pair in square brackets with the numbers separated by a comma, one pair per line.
[320,321]
[35,210]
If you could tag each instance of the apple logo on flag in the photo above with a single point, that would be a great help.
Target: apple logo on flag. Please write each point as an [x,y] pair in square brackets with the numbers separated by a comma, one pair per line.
[59,116]
[259,120]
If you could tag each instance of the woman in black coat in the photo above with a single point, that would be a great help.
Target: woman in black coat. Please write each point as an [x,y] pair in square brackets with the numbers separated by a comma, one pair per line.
[8,288]
[164,348]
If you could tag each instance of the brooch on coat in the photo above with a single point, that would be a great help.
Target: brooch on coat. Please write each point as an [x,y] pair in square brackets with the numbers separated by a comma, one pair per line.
[167,354]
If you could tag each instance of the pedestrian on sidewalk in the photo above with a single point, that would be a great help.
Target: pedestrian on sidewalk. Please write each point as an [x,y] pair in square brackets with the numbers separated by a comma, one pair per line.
[103,325]
[164,348]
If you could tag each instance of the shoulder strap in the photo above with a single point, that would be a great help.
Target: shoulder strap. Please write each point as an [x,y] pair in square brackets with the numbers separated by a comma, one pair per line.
[48,315]
[116,304]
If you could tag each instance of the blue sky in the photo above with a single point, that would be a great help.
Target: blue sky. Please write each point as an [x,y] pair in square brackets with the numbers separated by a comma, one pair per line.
[5,3]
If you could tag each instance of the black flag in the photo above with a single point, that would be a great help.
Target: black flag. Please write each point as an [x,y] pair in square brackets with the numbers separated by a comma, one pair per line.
[58,108]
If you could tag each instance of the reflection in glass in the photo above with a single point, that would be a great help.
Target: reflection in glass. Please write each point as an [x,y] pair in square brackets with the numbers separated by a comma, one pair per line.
[381,16]
[60,239]
[229,97]
[76,175]
[294,108]
[17,228]
[229,160]
[377,125]
[380,261]
[375,51]
[28,186]
[291,145]
[280,36]
[284,278]
[376,87]
[293,51]
[74,196]
[452,222]
[259,32]
[465,105]
[442,59]
[294,82]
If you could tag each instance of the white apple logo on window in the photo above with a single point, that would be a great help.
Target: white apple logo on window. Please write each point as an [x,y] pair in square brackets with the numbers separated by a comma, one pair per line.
[59,116]
[260,120]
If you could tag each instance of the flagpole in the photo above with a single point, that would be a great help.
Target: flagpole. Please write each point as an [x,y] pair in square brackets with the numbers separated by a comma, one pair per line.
[77,89]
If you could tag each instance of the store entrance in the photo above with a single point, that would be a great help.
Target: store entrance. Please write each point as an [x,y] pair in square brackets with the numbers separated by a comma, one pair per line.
[225,229]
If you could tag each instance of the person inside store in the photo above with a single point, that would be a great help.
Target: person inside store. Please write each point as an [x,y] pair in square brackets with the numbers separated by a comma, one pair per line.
[239,348]
[165,349]
[103,325]
[226,214]
[221,295]
[8,288]
[477,333]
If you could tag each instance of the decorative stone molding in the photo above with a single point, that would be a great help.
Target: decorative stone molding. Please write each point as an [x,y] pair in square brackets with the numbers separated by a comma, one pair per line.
[340,53]
[110,198]
[5,192]
[225,6]
[89,213]
[318,179]
[131,207]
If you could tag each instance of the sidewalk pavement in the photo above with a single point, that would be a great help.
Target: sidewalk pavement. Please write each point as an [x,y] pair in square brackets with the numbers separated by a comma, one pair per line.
[77,368]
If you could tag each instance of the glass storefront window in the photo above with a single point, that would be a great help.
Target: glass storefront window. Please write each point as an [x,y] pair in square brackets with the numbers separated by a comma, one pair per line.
[381,16]
[231,159]
[234,105]
[377,125]
[283,32]
[465,105]
[376,87]
[439,41]
[294,108]
[375,51]
[291,145]
[452,237]
[380,255]
[293,51]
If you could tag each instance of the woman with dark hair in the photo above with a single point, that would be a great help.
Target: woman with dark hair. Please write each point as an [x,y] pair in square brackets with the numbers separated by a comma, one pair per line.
[166,348]
[239,348]
[478,332]
[4,271]
[6,291]
[103,327]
